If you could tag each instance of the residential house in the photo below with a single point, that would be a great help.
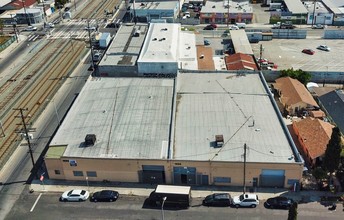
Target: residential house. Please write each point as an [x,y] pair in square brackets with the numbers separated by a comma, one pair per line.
[294,96]
[313,135]
[333,104]
[240,61]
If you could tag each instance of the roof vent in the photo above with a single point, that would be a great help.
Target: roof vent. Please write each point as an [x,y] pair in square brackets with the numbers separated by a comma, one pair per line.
[219,140]
[162,39]
[154,39]
[164,29]
[90,139]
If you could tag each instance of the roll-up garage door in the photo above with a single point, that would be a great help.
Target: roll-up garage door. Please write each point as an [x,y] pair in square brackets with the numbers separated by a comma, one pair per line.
[153,174]
[272,178]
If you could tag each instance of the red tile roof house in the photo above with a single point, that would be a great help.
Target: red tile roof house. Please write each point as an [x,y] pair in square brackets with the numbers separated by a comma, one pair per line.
[240,61]
[294,96]
[313,135]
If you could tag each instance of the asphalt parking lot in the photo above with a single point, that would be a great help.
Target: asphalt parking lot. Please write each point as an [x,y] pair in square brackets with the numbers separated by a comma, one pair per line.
[286,53]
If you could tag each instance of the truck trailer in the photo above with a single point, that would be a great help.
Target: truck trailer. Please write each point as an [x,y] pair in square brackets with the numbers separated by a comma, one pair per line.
[170,195]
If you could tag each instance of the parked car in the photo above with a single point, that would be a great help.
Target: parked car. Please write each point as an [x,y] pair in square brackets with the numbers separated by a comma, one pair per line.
[67,9]
[208,27]
[75,195]
[233,27]
[90,28]
[279,202]
[323,47]
[245,200]
[51,25]
[30,28]
[105,196]
[213,25]
[308,51]
[217,199]
[318,26]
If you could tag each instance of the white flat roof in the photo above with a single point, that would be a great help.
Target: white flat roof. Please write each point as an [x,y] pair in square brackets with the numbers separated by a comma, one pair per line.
[130,117]
[240,42]
[235,106]
[220,7]
[156,5]
[187,53]
[125,48]
[296,6]
[161,44]
[173,189]
[320,8]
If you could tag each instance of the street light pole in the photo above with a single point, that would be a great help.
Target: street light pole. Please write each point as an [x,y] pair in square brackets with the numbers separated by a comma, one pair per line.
[162,207]
[89,36]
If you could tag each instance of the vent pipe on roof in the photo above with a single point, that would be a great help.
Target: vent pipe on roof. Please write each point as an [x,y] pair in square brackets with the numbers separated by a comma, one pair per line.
[90,139]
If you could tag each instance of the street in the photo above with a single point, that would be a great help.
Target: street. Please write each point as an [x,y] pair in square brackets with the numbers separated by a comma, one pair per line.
[126,207]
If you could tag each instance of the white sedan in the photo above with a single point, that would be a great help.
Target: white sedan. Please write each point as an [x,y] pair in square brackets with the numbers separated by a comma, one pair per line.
[75,195]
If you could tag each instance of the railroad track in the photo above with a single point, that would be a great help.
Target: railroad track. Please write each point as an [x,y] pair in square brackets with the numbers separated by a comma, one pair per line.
[96,9]
[56,67]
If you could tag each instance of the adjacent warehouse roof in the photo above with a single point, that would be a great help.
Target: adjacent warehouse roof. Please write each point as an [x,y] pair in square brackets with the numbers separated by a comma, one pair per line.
[336,6]
[221,7]
[125,47]
[235,106]
[319,7]
[296,6]
[130,117]
[161,44]
[187,53]
[240,42]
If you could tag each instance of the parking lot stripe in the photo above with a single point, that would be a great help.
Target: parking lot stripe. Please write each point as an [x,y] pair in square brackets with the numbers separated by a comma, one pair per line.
[35,202]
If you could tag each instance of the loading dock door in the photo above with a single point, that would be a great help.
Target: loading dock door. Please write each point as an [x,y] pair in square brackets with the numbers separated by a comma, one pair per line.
[153,174]
[272,178]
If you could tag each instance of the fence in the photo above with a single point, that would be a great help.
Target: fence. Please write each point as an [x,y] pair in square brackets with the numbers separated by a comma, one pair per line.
[7,43]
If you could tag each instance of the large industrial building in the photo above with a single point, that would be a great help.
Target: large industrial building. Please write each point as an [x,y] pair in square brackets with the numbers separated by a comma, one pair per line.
[195,129]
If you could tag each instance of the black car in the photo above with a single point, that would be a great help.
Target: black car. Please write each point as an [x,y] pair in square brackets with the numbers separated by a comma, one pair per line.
[279,202]
[208,27]
[105,196]
[217,199]
[67,8]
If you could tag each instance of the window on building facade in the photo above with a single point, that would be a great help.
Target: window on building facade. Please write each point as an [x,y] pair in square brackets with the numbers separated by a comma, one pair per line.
[78,173]
[57,172]
[91,173]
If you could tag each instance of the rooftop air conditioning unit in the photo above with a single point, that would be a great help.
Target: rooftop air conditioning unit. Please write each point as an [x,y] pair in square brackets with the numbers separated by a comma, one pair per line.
[90,139]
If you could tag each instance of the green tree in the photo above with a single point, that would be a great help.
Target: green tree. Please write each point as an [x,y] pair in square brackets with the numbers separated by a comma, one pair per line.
[332,154]
[292,214]
[299,74]
[319,173]
[60,3]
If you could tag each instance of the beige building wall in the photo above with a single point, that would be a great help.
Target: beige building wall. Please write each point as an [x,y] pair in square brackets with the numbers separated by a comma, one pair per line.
[125,170]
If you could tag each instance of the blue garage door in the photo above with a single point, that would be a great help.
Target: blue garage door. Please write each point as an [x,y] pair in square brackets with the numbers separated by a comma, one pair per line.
[272,178]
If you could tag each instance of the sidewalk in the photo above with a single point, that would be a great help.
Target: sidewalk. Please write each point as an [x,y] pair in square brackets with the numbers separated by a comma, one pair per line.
[136,189]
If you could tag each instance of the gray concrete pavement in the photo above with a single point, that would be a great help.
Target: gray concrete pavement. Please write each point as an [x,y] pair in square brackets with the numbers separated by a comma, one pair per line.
[197,191]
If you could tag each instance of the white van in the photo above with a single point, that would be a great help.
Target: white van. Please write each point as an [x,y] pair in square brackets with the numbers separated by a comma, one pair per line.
[241,25]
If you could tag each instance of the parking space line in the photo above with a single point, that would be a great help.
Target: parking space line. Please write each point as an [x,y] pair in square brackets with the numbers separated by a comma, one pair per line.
[35,202]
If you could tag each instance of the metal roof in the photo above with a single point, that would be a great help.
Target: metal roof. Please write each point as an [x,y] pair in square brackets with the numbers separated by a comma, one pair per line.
[240,42]
[235,106]
[129,116]
[125,49]
[296,7]
[173,189]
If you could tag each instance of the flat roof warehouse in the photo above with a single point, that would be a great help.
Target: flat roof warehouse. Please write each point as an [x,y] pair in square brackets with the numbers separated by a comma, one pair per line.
[133,118]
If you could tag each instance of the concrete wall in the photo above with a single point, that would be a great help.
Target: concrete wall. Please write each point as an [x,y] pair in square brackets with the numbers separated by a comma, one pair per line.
[289,34]
[334,34]
[125,170]
[157,67]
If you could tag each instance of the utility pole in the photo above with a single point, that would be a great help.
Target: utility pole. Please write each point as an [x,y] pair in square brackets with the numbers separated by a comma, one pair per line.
[260,56]
[244,189]
[89,36]
[27,20]
[227,13]
[44,14]
[313,20]
[14,24]
[26,132]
